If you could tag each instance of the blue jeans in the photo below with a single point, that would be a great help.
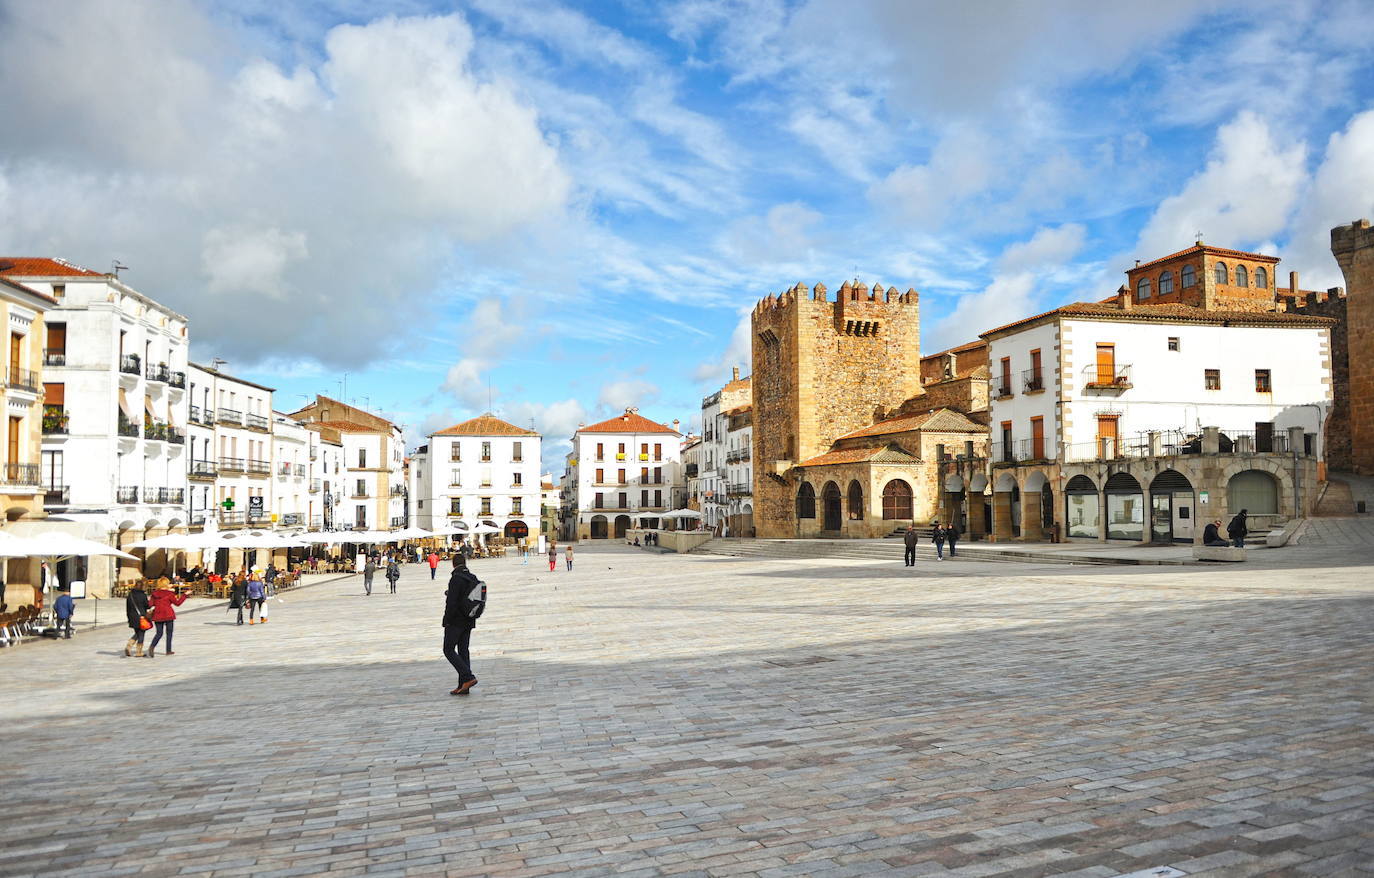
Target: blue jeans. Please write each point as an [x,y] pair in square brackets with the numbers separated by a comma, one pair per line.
[162,627]
[939,550]
[1238,542]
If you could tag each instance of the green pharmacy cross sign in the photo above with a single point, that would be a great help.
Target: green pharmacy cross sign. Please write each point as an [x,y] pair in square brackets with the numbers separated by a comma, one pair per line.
[228,503]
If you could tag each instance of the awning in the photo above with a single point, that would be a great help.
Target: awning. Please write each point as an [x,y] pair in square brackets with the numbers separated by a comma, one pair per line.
[124,404]
[54,394]
[148,406]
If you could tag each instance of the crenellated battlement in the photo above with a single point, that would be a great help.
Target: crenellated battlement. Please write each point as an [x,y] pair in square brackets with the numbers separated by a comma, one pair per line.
[850,294]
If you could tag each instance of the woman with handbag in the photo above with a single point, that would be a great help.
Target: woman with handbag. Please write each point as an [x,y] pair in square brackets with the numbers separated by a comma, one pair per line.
[136,608]
[238,595]
[163,601]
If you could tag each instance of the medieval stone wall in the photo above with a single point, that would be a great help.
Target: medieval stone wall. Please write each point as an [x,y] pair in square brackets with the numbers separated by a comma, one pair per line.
[1353,247]
[1338,451]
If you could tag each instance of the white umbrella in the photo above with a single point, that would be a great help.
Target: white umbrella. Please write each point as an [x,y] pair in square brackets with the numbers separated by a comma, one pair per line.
[54,545]
[412,533]
[180,541]
[258,539]
[682,513]
[484,528]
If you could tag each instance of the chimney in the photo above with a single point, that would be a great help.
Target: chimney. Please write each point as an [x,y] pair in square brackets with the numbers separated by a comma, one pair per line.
[676,422]
[734,372]
[1123,298]
[1137,263]
[1293,282]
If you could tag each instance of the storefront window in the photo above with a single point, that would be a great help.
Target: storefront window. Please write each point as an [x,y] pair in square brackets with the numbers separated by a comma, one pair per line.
[1083,515]
[1125,517]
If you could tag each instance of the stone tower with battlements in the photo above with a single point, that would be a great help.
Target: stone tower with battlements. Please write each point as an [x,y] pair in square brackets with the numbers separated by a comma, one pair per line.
[823,368]
[1353,247]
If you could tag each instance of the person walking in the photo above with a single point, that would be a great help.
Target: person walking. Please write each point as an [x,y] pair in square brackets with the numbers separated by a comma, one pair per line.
[238,595]
[909,540]
[569,555]
[164,601]
[64,609]
[257,593]
[553,555]
[952,535]
[1238,529]
[137,610]
[393,573]
[369,571]
[1211,536]
[464,602]
[937,536]
[433,560]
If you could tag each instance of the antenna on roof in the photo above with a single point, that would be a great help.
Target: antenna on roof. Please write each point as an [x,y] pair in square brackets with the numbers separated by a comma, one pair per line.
[116,267]
[217,362]
[1198,237]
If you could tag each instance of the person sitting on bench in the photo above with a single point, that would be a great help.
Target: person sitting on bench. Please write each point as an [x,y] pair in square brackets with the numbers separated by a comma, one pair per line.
[1211,536]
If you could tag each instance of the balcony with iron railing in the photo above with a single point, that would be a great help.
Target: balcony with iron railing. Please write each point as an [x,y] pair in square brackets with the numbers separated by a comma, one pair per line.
[22,474]
[202,469]
[397,491]
[131,364]
[291,519]
[314,486]
[177,380]
[742,489]
[231,517]
[1107,377]
[155,430]
[256,422]
[127,427]
[232,465]
[174,496]
[175,436]
[1001,387]
[230,416]
[54,356]
[398,521]
[359,495]
[259,467]
[317,521]
[298,470]
[126,494]
[23,379]
[1032,381]
[157,372]
[56,495]
[55,420]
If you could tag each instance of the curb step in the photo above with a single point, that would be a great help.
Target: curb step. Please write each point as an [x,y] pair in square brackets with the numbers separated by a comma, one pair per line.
[883,550]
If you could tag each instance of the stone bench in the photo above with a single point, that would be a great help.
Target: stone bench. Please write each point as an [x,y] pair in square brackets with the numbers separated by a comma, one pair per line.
[1218,553]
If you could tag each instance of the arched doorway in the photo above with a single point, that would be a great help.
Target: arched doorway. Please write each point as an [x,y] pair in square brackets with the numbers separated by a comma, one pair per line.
[856,501]
[517,530]
[806,501]
[1082,516]
[622,526]
[1125,508]
[830,500]
[598,527]
[897,501]
[1171,508]
[1253,490]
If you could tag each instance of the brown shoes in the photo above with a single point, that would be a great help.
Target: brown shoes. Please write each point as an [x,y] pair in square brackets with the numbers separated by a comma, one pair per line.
[464,687]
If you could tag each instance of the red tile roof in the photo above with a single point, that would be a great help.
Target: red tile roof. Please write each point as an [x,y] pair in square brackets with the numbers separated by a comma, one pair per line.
[485,425]
[1215,251]
[1169,313]
[888,454]
[938,420]
[629,422]
[15,285]
[349,427]
[42,266]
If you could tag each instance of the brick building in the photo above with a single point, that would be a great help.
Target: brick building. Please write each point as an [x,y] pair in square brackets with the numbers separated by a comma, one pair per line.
[1353,247]
[845,441]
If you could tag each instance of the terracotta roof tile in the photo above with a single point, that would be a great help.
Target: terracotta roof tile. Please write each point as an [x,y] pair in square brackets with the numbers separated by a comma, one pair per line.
[42,266]
[15,285]
[629,422]
[485,425]
[939,420]
[1199,248]
[887,454]
[1170,313]
[349,427]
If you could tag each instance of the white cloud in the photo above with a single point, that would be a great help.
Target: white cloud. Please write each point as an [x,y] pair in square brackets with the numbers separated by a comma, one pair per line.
[1342,190]
[466,382]
[739,352]
[329,194]
[781,236]
[1047,247]
[616,396]
[1243,196]
[960,166]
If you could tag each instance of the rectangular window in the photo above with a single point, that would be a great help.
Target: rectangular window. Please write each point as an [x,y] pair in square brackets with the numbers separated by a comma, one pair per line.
[1038,438]
[1262,384]
[52,469]
[1034,381]
[486,506]
[515,508]
[643,474]
[624,501]
[1004,387]
[600,451]
[517,453]
[1107,437]
[486,452]
[455,478]
[454,454]
[1212,379]
[658,475]
[644,497]
[362,488]
[601,477]
[658,498]
[620,477]
[658,451]
[362,453]
[1006,454]
[620,448]
[1173,342]
[644,449]
[515,478]
[360,516]
[600,500]
[455,506]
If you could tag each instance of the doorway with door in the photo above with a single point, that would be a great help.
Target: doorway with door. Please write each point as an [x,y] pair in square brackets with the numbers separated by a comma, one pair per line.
[1172,508]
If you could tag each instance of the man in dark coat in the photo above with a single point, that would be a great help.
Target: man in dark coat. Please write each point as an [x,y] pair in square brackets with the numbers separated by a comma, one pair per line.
[1211,536]
[937,536]
[909,539]
[952,537]
[1237,529]
[463,604]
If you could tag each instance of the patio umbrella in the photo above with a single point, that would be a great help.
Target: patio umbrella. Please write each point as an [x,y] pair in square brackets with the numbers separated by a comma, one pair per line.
[412,533]
[54,545]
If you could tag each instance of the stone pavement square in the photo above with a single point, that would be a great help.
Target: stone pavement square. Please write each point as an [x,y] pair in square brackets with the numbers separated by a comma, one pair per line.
[699,715]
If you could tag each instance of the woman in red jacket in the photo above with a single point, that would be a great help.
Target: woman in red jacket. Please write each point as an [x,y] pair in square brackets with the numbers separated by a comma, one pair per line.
[163,600]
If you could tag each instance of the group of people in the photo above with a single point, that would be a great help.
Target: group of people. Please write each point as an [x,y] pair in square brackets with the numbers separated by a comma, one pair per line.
[650,539]
[1236,531]
[553,555]
[251,589]
[939,536]
[391,563]
[152,611]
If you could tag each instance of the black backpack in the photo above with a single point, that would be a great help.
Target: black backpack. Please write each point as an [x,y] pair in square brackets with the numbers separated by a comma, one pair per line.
[477,600]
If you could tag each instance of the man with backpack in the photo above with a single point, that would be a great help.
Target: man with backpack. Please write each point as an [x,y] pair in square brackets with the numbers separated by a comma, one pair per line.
[1238,529]
[464,602]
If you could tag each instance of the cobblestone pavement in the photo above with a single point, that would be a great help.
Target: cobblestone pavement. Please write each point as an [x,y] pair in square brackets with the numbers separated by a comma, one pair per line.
[1337,532]
[713,716]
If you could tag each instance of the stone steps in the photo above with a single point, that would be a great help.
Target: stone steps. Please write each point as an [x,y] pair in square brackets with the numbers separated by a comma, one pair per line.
[1336,500]
[886,550]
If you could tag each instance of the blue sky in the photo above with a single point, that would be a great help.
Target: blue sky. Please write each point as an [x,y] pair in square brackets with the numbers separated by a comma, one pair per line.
[572,206]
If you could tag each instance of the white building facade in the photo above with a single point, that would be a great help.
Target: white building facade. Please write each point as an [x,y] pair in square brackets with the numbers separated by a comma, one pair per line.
[1117,420]
[229,463]
[482,471]
[294,496]
[717,480]
[623,471]
[115,462]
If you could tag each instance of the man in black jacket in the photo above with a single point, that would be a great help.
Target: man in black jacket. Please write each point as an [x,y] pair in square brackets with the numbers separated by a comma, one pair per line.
[462,607]
[909,539]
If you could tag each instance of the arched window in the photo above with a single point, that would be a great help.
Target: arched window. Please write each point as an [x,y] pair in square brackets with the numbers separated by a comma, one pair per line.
[1142,289]
[1242,276]
[856,501]
[1261,278]
[1222,276]
[1188,276]
[806,501]
[1166,282]
[896,501]
[1254,491]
